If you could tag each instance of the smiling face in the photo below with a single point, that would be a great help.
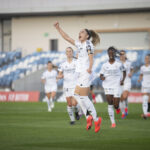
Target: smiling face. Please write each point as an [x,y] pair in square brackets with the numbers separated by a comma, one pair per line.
[69,52]
[147,59]
[83,36]
[49,66]
[122,56]
[111,55]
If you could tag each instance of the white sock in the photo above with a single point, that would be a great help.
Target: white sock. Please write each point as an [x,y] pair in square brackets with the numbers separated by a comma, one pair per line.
[111,113]
[48,103]
[90,107]
[70,112]
[122,107]
[145,104]
[81,104]
[52,103]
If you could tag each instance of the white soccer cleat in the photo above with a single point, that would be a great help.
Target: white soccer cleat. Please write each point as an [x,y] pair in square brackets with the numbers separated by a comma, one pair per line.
[49,109]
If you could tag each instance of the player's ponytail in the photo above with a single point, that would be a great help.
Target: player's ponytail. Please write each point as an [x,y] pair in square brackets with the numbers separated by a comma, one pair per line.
[95,37]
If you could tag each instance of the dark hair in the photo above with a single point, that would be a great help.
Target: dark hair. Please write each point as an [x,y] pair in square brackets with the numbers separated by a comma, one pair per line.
[95,37]
[49,62]
[111,48]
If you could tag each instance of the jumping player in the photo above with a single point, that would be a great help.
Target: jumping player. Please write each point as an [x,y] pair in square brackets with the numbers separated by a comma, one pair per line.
[84,69]
[127,84]
[67,71]
[110,74]
[145,78]
[50,84]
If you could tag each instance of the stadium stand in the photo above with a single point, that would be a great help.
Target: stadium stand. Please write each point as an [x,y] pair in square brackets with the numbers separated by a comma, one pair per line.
[14,67]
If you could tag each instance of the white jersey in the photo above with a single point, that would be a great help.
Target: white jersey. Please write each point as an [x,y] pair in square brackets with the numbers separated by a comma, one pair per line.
[145,71]
[128,66]
[112,74]
[50,78]
[83,58]
[68,70]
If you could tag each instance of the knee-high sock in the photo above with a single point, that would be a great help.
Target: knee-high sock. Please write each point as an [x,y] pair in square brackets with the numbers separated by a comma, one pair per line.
[90,107]
[81,104]
[122,107]
[145,104]
[48,102]
[70,112]
[111,113]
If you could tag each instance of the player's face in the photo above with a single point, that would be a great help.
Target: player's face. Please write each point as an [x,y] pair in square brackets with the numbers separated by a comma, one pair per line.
[49,66]
[83,36]
[69,53]
[147,59]
[111,54]
[122,56]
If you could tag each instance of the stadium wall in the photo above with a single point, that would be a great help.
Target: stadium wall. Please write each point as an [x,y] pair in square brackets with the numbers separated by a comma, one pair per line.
[30,33]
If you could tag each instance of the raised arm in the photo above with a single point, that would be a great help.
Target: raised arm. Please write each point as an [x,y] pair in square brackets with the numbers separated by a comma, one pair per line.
[63,34]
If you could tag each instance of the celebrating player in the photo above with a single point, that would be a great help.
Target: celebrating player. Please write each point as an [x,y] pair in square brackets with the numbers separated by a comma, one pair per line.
[84,68]
[145,76]
[110,74]
[67,71]
[49,80]
[127,84]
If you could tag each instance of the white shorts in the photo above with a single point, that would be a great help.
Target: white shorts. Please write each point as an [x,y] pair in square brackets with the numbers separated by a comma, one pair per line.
[116,92]
[68,92]
[84,79]
[126,87]
[145,89]
[49,89]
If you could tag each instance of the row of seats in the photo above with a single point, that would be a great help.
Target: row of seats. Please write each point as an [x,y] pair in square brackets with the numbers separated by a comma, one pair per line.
[9,57]
[38,60]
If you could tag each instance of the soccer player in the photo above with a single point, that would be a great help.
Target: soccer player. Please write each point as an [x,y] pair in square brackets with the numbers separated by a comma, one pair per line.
[110,74]
[127,84]
[67,71]
[145,76]
[50,84]
[84,69]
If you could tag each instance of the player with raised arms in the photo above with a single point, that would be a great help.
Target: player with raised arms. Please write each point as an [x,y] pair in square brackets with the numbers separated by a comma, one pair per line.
[110,74]
[84,69]
[49,79]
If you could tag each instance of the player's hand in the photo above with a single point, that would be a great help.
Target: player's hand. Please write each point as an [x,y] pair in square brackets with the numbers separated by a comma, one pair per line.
[56,25]
[102,77]
[130,75]
[121,82]
[89,71]
[139,80]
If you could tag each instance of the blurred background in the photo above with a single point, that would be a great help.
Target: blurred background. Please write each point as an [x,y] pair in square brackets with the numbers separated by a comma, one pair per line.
[28,38]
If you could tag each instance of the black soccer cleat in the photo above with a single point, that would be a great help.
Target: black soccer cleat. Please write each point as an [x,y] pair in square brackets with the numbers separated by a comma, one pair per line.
[72,122]
[77,116]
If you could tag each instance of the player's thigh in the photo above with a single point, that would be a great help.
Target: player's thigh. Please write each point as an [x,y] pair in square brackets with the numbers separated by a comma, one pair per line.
[109,99]
[48,95]
[53,94]
[74,102]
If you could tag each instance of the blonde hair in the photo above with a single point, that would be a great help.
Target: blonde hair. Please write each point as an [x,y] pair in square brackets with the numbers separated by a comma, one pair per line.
[95,37]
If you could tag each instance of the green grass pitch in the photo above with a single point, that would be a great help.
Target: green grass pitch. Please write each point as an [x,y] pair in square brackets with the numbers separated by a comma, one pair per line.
[28,126]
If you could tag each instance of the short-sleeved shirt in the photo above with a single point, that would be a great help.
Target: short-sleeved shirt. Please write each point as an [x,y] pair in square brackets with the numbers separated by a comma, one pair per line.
[83,58]
[50,77]
[128,66]
[68,70]
[112,74]
[145,71]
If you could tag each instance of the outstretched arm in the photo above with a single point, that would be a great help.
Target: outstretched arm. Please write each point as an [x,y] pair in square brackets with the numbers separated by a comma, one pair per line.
[63,34]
